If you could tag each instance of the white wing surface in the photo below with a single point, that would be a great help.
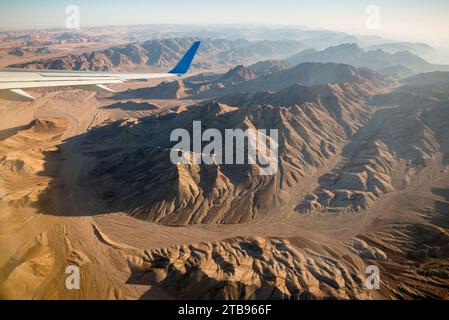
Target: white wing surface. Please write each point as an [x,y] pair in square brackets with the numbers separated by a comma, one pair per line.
[13,81]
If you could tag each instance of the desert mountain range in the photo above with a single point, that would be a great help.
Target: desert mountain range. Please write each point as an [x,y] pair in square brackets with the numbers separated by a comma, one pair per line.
[362,180]
[398,60]
[165,53]
[378,59]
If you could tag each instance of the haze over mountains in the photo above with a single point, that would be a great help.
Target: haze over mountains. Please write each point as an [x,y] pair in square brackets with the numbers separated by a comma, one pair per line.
[165,53]
[394,59]
[362,178]
[419,49]
[374,59]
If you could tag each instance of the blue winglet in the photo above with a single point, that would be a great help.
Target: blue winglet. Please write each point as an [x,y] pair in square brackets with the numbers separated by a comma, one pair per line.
[184,64]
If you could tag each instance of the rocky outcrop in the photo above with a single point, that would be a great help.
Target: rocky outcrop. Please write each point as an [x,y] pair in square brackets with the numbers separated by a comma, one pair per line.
[248,268]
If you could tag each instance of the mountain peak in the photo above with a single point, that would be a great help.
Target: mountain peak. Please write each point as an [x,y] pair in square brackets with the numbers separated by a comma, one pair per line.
[347,46]
[239,74]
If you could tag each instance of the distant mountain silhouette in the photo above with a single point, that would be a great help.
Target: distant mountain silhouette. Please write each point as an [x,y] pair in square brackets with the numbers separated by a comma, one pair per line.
[356,56]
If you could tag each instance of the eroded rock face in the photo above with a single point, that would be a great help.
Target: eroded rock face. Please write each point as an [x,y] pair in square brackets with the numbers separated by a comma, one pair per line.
[312,123]
[248,268]
[357,184]
[384,156]
[365,251]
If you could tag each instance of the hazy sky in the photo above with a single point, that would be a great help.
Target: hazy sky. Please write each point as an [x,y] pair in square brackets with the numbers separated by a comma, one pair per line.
[403,19]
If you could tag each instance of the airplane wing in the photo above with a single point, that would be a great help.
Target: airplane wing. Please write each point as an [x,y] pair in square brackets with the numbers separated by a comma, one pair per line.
[13,81]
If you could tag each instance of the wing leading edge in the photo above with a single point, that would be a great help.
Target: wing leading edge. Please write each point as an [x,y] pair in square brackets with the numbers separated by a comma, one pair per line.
[12,81]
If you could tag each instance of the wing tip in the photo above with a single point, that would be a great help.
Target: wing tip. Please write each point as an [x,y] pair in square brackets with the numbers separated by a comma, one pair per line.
[186,61]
